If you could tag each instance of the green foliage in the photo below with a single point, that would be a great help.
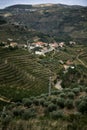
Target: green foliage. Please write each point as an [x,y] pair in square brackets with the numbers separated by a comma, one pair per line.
[71,95]
[36,102]
[46,103]
[56,92]
[69,104]
[82,105]
[60,102]
[81,88]
[2,20]
[27,102]
[6,120]
[52,107]
[76,90]
[29,113]
[62,95]
[17,112]
[5,117]
[54,100]
[56,114]
[86,89]
[42,101]
[77,102]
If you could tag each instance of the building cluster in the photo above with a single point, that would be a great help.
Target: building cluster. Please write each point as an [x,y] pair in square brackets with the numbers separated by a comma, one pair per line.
[9,44]
[38,48]
[41,48]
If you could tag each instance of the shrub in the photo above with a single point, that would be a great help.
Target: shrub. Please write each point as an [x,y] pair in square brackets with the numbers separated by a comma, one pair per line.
[29,113]
[77,114]
[76,90]
[49,98]
[60,102]
[55,92]
[54,100]
[77,102]
[36,102]
[32,98]
[81,88]
[56,114]
[6,120]
[46,104]
[51,107]
[42,101]
[71,95]
[67,90]
[62,95]
[69,103]
[27,102]
[82,107]
[86,89]
[44,95]
[17,112]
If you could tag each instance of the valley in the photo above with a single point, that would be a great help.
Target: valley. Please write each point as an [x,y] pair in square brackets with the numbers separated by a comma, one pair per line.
[43,67]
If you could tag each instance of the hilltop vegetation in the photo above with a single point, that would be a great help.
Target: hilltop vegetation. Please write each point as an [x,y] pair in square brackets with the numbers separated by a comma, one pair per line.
[21,34]
[60,21]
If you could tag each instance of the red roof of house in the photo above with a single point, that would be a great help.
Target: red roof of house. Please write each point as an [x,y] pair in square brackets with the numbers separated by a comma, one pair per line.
[39,43]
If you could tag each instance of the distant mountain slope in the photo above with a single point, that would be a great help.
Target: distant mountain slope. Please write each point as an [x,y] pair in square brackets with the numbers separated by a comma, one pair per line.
[60,21]
[21,34]
[19,7]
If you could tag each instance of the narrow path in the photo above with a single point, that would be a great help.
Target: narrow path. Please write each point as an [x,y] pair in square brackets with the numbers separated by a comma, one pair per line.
[4,99]
[81,60]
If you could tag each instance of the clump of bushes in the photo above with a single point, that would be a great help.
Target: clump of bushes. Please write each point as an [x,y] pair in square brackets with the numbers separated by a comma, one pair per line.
[46,103]
[76,90]
[60,102]
[56,114]
[54,100]
[36,102]
[81,88]
[67,90]
[51,107]
[81,105]
[29,113]
[42,101]
[17,112]
[69,103]
[71,95]
[5,118]
[55,92]
[62,95]
[27,102]
[77,102]
[86,89]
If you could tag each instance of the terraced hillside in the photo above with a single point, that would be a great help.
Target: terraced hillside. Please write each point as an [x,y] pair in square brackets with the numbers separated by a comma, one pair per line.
[23,74]
[24,81]
[20,71]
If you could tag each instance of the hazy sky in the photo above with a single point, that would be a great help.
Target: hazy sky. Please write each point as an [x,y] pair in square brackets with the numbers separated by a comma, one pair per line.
[4,3]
